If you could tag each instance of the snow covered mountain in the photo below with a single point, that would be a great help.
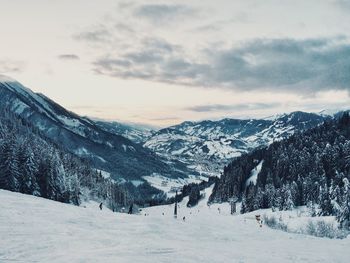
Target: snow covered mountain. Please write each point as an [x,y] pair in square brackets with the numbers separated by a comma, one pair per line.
[207,146]
[107,151]
[133,132]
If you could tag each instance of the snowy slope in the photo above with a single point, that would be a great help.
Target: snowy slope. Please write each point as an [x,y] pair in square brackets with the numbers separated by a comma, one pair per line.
[39,230]
[207,146]
[254,174]
[169,185]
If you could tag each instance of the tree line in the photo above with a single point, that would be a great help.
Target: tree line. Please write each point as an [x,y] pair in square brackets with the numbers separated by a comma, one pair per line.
[31,164]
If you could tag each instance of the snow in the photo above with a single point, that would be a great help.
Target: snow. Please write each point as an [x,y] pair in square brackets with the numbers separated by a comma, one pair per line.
[329,112]
[17,87]
[168,185]
[101,159]
[137,183]
[297,219]
[254,174]
[39,230]
[104,174]
[72,123]
[216,143]
[219,149]
[124,147]
[81,151]
[19,107]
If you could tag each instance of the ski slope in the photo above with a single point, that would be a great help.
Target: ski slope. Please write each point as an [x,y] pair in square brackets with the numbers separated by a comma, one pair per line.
[33,229]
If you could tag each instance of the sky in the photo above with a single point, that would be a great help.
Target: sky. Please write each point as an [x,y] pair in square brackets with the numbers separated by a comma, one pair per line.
[164,62]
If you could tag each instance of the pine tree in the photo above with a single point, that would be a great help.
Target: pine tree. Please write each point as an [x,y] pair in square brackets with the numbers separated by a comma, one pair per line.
[30,185]
[243,206]
[259,199]
[250,197]
[30,164]
[312,209]
[194,196]
[325,202]
[344,216]
[270,194]
[294,189]
[278,200]
[288,203]
[5,166]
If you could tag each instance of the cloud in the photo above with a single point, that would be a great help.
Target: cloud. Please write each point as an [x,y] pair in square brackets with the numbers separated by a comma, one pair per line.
[156,13]
[218,25]
[124,28]
[11,66]
[94,35]
[132,64]
[343,4]
[169,118]
[69,57]
[299,66]
[234,107]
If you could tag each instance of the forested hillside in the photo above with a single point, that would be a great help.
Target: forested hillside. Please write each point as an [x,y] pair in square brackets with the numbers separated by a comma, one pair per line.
[31,164]
[310,168]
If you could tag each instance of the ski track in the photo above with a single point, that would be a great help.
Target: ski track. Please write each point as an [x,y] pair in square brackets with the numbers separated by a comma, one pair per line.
[34,229]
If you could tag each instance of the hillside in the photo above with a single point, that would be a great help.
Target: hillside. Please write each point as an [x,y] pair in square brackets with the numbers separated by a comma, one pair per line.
[310,168]
[31,164]
[133,132]
[107,151]
[39,230]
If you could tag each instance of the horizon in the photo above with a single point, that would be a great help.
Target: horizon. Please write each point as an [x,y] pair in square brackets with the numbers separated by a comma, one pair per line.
[161,63]
[329,112]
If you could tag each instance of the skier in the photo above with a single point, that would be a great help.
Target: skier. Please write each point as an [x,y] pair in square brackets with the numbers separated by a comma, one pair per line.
[130,209]
[100,206]
[184,218]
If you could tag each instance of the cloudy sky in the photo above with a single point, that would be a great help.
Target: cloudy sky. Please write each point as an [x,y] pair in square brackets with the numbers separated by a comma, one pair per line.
[163,62]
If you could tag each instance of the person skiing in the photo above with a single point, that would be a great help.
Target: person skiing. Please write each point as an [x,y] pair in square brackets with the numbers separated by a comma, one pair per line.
[100,206]
[130,209]
[184,218]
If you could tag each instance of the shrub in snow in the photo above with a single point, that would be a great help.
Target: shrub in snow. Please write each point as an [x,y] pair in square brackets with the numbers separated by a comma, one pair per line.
[274,223]
[318,228]
[322,228]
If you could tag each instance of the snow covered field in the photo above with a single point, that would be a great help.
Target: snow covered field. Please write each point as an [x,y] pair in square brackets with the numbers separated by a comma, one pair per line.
[38,230]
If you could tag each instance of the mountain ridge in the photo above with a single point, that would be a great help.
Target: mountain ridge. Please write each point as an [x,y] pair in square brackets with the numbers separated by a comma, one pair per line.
[203,144]
[107,151]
